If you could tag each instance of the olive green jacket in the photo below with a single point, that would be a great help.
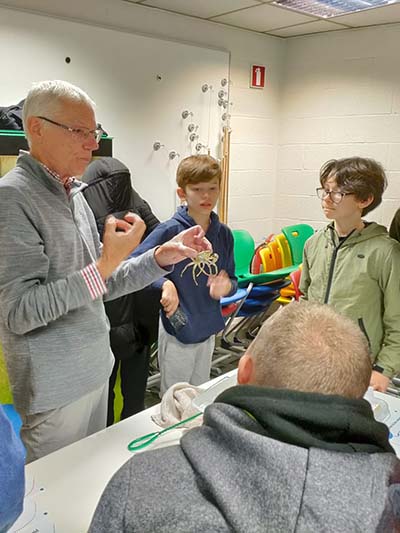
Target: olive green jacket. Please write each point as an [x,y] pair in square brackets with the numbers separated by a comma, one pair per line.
[360,278]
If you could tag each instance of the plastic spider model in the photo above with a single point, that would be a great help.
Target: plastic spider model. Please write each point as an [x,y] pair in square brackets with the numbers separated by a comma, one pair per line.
[203,263]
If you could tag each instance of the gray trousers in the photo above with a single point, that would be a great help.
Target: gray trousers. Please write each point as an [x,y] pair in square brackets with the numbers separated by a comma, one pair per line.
[44,433]
[183,362]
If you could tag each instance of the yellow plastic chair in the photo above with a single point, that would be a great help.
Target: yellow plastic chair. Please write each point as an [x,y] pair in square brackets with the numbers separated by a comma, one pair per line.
[243,251]
[284,250]
[275,251]
[267,259]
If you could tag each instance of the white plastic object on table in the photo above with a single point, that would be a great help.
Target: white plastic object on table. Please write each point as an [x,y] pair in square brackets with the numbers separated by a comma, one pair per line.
[379,406]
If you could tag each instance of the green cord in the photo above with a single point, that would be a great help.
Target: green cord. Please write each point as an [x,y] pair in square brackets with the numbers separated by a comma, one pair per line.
[145,440]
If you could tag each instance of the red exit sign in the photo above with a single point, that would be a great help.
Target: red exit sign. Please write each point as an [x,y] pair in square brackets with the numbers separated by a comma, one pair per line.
[257,76]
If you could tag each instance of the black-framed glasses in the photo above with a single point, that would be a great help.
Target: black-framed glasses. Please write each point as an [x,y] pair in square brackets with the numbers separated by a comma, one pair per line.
[335,196]
[81,134]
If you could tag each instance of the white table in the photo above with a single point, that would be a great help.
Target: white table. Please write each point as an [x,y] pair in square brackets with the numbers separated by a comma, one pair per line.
[74,477]
[67,484]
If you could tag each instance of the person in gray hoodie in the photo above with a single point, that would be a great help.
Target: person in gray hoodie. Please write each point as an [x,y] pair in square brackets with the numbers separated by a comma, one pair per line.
[294,447]
[54,273]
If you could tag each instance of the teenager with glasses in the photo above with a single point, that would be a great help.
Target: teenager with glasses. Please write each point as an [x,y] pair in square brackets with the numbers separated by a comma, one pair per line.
[353,264]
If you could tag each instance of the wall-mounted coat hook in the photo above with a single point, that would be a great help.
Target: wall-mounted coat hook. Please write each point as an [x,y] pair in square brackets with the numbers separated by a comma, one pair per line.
[173,154]
[193,137]
[205,87]
[157,145]
[186,114]
[199,147]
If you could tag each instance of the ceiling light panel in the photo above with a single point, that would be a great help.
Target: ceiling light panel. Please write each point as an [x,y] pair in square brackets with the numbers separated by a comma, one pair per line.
[331,8]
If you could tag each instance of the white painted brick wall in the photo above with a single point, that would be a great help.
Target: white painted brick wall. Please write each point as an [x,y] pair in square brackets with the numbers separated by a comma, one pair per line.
[254,113]
[251,182]
[327,95]
[254,141]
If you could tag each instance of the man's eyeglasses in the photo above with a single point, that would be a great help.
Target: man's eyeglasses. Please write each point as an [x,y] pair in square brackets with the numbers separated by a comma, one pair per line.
[81,134]
[335,196]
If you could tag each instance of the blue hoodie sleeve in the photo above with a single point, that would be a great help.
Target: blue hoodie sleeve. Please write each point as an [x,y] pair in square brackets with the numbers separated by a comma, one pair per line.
[12,477]
[161,234]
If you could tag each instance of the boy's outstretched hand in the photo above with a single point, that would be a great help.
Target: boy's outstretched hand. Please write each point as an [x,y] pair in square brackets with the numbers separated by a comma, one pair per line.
[220,285]
[186,244]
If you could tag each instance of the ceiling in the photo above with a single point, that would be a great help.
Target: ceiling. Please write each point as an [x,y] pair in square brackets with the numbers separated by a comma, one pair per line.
[264,17]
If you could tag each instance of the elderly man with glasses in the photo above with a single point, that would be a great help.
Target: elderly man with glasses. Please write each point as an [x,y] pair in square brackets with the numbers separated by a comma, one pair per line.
[54,273]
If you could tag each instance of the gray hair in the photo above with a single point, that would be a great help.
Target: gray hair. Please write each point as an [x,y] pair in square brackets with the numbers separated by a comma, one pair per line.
[44,99]
[309,347]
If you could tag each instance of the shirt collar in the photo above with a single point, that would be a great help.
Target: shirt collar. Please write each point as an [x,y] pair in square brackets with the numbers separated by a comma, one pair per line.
[67,184]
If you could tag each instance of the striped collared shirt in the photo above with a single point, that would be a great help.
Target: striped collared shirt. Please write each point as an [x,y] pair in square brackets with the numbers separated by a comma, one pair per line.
[67,184]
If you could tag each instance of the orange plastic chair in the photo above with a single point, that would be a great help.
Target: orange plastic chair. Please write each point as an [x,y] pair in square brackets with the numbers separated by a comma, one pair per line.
[288,292]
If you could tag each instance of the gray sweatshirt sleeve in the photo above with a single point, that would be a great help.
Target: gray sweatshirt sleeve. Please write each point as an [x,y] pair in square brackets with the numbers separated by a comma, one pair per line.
[134,274]
[29,298]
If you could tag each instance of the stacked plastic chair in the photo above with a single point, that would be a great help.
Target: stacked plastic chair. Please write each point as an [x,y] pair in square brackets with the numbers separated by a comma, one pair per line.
[282,254]
[263,275]
[257,297]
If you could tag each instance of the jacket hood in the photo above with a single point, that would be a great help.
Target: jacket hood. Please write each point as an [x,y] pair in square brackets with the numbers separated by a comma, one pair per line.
[109,182]
[183,217]
[312,420]
[260,483]
[104,168]
[109,189]
[370,231]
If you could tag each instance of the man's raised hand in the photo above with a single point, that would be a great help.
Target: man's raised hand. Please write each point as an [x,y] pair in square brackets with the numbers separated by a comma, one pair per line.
[120,238]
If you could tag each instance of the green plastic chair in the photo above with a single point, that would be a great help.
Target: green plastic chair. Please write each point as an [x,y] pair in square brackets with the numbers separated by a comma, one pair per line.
[243,253]
[296,236]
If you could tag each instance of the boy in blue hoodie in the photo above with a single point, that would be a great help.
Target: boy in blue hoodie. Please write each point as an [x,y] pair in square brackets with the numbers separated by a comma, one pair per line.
[191,313]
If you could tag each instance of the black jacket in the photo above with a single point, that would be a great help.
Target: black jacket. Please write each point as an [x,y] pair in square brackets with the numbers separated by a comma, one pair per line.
[134,317]
[11,117]
[394,230]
